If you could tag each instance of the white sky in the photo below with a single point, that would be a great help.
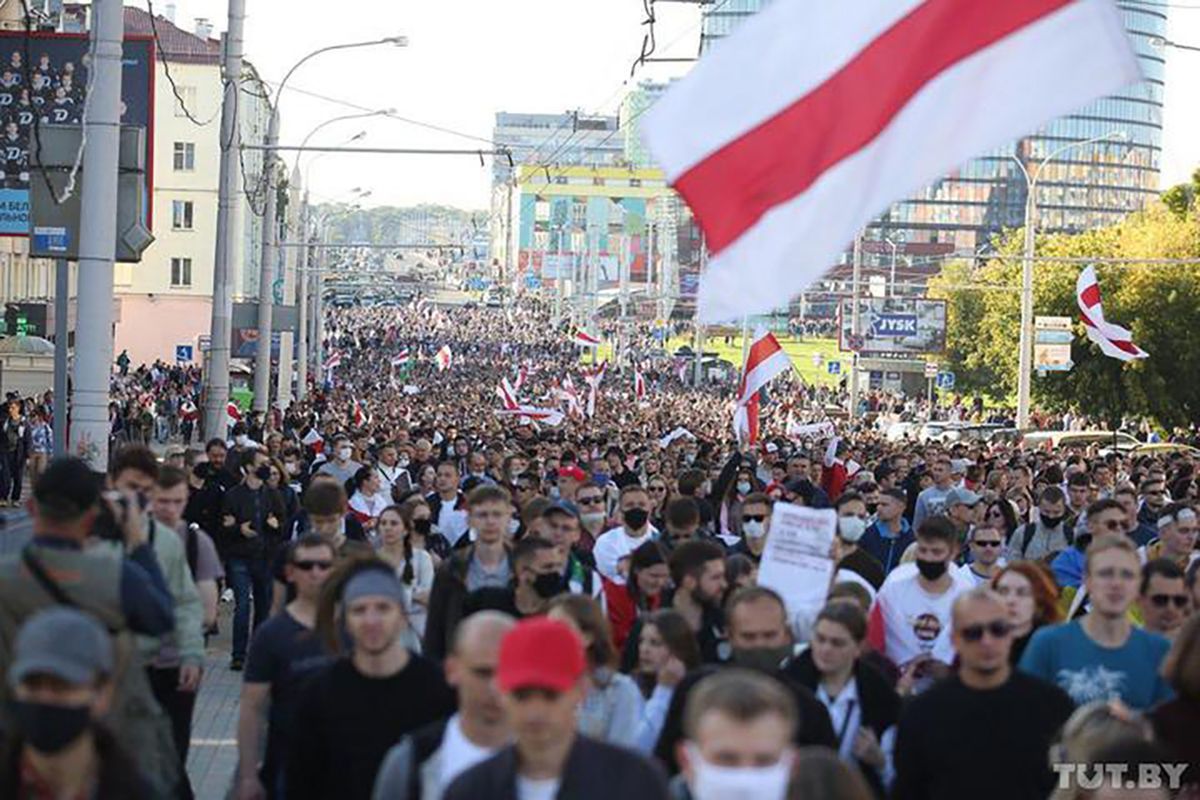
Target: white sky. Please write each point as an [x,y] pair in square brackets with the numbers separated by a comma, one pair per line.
[468,59]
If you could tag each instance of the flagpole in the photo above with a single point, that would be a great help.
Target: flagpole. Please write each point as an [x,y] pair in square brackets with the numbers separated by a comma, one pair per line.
[854,322]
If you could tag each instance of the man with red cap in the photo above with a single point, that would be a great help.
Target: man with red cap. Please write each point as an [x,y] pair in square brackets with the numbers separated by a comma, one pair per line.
[541,675]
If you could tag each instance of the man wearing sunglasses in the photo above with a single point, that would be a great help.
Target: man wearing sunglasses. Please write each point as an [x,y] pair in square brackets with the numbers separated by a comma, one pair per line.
[985,708]
[986,545]
[1102,656]
[1164,601]
[283,655]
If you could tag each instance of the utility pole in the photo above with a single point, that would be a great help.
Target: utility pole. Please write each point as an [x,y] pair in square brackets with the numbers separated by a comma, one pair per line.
[98,240]
[508,237]
[216,400]
[302,304]
[699,325]
[266,271]
[854,321]
[62,353]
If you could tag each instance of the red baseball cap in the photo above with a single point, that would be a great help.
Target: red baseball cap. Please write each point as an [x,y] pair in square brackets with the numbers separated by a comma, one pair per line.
[573,472]
[540,653]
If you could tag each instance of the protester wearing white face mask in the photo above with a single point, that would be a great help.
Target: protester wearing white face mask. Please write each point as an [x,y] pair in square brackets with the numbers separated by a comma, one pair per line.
[852,524]
[756,524]
[343,466]
[739,727]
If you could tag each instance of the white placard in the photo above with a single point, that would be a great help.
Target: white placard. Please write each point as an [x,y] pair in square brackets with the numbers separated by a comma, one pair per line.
[796,562]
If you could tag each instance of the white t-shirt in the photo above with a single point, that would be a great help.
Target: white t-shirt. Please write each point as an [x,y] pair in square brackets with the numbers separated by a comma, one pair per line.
[370,507]
[545,789]
[614,545]
[906,621]
[458,753]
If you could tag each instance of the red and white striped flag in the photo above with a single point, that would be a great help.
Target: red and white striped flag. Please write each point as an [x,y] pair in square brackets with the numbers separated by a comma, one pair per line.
[334,360]
[639,385]
[593,378]
[585,339]
[508,394]
[792,134]
[1114,340]
[444,358]
[233,412]
[764,360]
[402,358]
[361,417]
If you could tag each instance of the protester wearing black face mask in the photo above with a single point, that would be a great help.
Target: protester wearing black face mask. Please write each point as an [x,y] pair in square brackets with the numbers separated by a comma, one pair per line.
[61,684]
[762,641]
[1047,533]
[537,579]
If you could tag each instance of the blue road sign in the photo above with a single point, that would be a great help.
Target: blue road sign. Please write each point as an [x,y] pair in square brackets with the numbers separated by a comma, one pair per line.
[945,380]
[835,367]
[183,352]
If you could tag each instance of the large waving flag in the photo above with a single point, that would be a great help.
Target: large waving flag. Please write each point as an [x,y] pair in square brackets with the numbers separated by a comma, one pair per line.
[1114,340]
[593,378]
[585,339]
[444,358]
[764,360]
[793,133]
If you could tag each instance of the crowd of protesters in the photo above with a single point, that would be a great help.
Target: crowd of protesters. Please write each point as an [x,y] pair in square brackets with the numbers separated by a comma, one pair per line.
[435,600]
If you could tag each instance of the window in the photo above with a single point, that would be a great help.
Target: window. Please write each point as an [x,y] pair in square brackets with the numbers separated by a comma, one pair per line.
[187,94]
[185,156]
[181,272]
[181,215]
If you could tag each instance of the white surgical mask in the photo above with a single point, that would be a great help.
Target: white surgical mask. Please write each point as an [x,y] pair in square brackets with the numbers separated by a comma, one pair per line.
[712,782]
[402,462]
[344,453]
[754,529]
[744,487]
[514,525]
[851,529]
[592,517]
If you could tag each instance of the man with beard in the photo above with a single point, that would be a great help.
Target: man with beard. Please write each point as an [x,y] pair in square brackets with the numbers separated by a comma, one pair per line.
[762,640]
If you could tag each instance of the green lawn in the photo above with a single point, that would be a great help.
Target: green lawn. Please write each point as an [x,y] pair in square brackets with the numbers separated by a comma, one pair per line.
[801,353]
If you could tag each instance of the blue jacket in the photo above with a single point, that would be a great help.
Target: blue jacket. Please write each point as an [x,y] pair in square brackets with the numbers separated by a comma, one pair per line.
[886,548]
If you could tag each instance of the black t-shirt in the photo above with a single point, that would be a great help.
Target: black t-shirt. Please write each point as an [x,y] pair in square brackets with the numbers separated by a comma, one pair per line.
[866,565]
[953,742]
[286,655]
[348,721]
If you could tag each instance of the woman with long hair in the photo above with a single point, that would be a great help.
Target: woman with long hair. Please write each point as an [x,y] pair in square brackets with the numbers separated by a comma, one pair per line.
[660,495]
[414,567]
[612,707]
[1001,515]
[667,650]
[1031,600]
[641,593]
[418,520]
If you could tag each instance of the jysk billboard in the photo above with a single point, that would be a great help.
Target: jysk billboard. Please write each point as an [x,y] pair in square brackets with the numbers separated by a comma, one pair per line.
[43,78]
[895,325]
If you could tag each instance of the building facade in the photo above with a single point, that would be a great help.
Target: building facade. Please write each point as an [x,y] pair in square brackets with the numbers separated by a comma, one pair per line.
[1079,188]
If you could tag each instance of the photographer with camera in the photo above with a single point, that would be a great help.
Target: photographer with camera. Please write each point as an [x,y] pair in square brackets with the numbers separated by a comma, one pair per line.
[125,591]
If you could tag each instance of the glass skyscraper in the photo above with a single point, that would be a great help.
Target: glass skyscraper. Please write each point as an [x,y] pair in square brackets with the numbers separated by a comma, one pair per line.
[1083,187]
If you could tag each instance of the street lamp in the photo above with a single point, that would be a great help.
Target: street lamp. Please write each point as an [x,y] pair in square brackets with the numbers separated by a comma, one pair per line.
[262,360]
[892,281]
[1025,365]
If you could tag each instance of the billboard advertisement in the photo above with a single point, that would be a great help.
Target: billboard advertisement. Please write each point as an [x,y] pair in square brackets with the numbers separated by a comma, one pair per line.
[43,81]
[894,325]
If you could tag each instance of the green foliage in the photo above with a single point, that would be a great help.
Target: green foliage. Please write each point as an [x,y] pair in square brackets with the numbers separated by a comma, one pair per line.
[1159,303]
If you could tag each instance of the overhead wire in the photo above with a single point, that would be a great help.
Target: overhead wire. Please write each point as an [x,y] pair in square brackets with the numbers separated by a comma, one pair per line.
[166,63]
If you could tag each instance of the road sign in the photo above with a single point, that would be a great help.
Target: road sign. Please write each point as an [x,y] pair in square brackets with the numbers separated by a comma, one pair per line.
[205,342]
[818,359]
[834,367]
[931,370]
[183,352]
[1052,323]
[945,380]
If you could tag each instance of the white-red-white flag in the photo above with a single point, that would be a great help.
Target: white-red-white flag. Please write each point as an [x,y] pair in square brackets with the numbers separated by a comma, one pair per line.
[233,412]
[585,339]
[593,378]
[507,394]
[444,358]
[402,358]
[334,360]
[793,133]
[765,359]
[545,416]
[1114,340]
[639,385]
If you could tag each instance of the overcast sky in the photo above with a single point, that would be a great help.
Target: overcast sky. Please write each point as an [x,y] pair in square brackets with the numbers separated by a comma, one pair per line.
[468,59]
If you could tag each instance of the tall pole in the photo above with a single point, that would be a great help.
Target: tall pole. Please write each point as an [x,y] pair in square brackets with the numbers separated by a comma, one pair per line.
[319,313]
[854,322]
[699,369]
[216,399]
[98,239]
[302,304]
[266,273]
[1026,340]
[508,239]
[62,353]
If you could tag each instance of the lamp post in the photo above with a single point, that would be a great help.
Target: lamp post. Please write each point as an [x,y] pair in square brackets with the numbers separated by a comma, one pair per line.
[1025,362]
[892,279]
[262,360]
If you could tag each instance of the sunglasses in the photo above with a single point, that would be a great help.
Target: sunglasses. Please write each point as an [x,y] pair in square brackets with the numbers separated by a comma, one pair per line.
[753,517]
[988,543]
[997,629]
[308,566]
[657,489]
[590,501]
[1161,600]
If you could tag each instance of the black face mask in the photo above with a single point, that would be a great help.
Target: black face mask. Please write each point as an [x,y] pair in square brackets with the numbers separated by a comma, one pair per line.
[636,518]
[49,728]
[931,570]
[422,526]
[762,659]
[1051,522]
[547,585]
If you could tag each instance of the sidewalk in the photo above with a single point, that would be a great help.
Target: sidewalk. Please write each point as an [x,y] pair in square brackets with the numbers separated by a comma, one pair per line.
[212,759]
